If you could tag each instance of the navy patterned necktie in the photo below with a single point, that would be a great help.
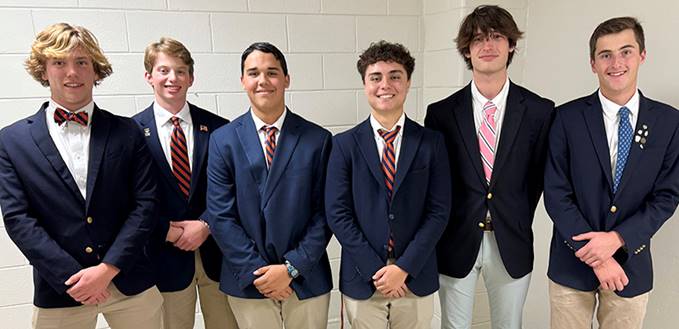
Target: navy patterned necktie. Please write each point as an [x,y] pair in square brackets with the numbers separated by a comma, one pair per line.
[624,143]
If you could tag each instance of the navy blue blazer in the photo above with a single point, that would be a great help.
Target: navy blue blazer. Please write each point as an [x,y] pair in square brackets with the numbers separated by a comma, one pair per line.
[261,217]
[515,186]
[58,231]
[361,216]
[579,190]
[176,267]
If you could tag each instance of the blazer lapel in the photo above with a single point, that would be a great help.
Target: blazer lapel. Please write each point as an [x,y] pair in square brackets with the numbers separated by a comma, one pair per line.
[201,138]
[43,140]
[287,142]
[148,123]
[99,132]
[646,117]
[365,139]
[514,111]
[595,125]
[465,123]
[247,135]
[410,142]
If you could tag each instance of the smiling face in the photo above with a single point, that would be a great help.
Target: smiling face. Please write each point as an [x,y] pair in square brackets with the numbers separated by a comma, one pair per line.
[265,83]
[71,79]
[170,79]
[616,63]
[489,53]
[386,85]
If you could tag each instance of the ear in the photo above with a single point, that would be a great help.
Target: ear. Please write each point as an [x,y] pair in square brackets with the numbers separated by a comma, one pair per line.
[467,54]
[191,80]
[643,56]
[242,82]
[287,81]
[148,77]
[591,64]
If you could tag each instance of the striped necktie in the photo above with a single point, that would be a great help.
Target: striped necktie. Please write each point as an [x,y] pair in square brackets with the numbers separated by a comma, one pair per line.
[270,144]
[389,169]
[180,158]
[487,138]
[61,116]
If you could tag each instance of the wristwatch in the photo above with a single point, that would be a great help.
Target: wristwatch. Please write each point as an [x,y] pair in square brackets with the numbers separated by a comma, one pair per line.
[292,271]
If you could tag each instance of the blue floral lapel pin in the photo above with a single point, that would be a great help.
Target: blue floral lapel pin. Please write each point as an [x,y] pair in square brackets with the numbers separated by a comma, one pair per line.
[641,136]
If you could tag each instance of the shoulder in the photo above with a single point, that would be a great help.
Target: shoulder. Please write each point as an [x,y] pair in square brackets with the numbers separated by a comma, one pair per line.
[534,99]
[575,105]
[212,118]
[452,100]
[308,127]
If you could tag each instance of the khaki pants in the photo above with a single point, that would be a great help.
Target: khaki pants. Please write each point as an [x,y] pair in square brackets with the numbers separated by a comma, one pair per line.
[574,309]
[141,311]
[293,313]
[378,311]
[179,307]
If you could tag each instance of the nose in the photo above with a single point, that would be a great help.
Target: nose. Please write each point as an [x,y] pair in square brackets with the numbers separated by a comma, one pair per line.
[172,75]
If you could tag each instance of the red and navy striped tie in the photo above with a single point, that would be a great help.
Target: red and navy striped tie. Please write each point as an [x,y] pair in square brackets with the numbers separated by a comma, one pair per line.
[270,144]
[180,158]
[61,116]
[389,170]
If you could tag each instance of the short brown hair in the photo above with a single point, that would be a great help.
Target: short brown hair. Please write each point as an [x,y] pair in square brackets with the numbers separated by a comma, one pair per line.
[617,25]
[487,19]
[169,47]
[387,52]
[57,41]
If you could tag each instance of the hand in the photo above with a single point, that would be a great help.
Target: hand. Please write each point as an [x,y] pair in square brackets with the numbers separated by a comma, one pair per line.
[89,285]
[195,233]
[399,292]
[601,246]
[389,279]
[273,281]
[173,234]
[611,275]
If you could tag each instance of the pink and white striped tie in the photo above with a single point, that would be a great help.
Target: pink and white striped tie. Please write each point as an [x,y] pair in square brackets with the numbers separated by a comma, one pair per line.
[487,139]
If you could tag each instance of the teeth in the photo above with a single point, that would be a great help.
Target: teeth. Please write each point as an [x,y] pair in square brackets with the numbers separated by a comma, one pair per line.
[386,96]
[617,74]
[72,85]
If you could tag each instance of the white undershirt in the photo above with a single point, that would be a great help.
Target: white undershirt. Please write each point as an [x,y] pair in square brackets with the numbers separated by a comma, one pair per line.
[259,124]
[380,141]
[612,121]
[73,142]
[164,126]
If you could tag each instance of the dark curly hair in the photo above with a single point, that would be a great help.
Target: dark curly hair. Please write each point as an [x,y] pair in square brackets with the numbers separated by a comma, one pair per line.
[386,52]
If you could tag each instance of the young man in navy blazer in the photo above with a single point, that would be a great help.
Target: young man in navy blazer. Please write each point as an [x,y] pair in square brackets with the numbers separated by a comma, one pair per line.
[266,174]
[496,134]
[187,258]
[78,195]
[388,201]
[611,181]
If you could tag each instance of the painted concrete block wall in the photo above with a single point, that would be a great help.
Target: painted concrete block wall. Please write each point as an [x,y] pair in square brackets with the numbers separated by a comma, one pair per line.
[321,40]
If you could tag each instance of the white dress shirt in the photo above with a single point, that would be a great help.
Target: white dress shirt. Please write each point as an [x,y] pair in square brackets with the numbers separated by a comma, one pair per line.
[73,142]
[259,124]
[164,126]
[380,141]
[612,121]
[500,101]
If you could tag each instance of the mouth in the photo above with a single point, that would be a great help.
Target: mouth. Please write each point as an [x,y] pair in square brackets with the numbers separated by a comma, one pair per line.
[73,85]
[616,74]
[173,89]
[386,96]
[488,58]
[264,92]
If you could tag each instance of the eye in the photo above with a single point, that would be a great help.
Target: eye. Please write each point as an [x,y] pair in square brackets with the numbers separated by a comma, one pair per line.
[396,77]
[374,78]
[626,52]
[252,74]
[478,38]
[272,73]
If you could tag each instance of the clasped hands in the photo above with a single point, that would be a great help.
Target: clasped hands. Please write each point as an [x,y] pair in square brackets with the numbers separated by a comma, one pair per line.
[187,235]
[390,281]
[598,254]
[273,282]
[89,286]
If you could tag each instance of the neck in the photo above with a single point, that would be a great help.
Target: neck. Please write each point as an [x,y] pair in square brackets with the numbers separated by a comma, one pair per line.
[620,98]
[269,116]
[387,119]
[490,85]
[172,107]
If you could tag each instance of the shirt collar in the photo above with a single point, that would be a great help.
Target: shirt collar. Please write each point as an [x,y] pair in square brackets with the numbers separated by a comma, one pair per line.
[611,109]
[163,116]
[377,126]
[500,99]
[259,124]
[53,105]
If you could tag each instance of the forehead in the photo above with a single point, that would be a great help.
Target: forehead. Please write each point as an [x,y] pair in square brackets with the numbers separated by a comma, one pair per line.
[73,53]
[163,58]
[616,41]
[261,60]
[383,67]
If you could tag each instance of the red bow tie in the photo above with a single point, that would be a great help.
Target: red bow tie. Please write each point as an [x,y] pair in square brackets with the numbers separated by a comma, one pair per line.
[61,116]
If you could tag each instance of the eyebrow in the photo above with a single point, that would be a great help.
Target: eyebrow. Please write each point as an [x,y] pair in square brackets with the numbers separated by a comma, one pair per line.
[390,72]
[621,48]
[272,68]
